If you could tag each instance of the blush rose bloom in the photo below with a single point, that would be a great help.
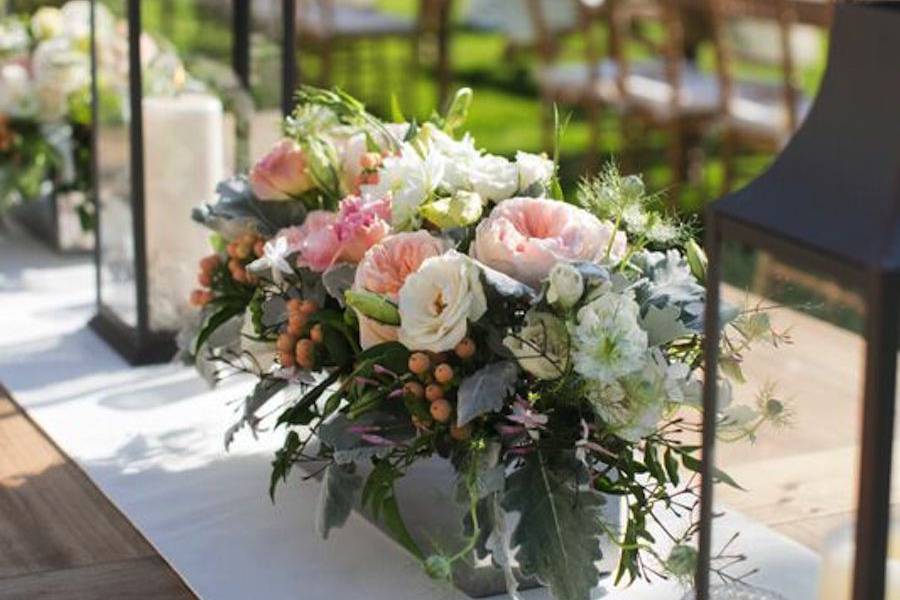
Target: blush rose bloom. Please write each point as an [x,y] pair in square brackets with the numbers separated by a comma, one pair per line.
[384,269]
[282,174]
[526,237]
[437,302]
[316,241]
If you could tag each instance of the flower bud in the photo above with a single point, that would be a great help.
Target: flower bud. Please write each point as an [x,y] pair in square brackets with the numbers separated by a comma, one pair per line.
[566,285]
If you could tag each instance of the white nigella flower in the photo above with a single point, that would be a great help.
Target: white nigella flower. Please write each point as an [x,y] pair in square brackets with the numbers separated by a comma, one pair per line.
[533,168]
[634,405]
[495,178]
[566,285]
[437,302]
[411,179]
[607,338]
[541,346]
[662,232]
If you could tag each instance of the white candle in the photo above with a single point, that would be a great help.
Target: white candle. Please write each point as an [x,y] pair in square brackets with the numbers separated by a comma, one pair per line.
[836,580]
[183,161]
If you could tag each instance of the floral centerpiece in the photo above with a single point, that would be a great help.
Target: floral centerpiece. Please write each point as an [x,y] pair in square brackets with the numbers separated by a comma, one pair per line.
[45,95]
[406,295]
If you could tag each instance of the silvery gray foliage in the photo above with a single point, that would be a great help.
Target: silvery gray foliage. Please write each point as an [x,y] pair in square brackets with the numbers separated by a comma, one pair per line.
[313,286]
[346,440]
[340,487]
[262,392]
[667,282]
[663,325]
[238,210]
[501,286]
[485,390]
[338,279]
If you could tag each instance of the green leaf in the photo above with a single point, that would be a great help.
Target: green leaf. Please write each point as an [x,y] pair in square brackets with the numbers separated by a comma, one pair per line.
[299,413]
[390,355]
[559,529]
[215,320]
[485,390]
[284,460]
[394,521]
[374,306]
[671,466]
[696,465]
[340,485]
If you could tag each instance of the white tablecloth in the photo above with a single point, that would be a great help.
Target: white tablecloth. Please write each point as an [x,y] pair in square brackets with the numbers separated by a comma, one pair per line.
[151,438]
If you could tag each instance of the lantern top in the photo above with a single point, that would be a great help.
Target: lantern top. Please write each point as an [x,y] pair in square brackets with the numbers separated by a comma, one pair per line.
[835,189]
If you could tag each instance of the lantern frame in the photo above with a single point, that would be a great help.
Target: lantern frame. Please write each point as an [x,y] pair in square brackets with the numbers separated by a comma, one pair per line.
[139,344]
[863,251]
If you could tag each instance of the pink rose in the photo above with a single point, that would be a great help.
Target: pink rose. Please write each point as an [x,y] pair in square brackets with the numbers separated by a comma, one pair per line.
[316,241]
[525,237]
[281,174]
[362,223]
[384,269]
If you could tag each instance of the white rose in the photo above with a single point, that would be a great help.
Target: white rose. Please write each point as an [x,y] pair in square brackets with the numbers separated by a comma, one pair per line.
[533,168]
[542,346]
[608,340]
[566,285]
[461,157]
[437,302]
[495,178]
[16,97]
[47,22]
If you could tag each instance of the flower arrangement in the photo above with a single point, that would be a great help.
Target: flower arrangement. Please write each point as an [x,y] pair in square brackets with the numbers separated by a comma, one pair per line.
[45,95]
[408,295]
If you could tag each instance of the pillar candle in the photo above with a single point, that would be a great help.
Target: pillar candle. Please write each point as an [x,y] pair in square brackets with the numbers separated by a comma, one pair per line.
[183,162]
[836,580]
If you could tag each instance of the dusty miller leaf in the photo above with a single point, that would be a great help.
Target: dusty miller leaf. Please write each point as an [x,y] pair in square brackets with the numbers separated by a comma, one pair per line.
[340,486]
[342,435]
[663,325]
[557,537]
[485,390]
[338,279]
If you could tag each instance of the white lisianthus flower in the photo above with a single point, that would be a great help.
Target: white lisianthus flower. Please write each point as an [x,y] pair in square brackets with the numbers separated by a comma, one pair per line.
[542,346]
[437,302]
[634,405]
[47,22]
[533,168]
[566,285]
[607,338]
[494,178]
[411,179]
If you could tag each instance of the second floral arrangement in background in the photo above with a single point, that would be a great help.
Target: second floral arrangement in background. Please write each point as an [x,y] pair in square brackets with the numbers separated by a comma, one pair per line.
[402,295]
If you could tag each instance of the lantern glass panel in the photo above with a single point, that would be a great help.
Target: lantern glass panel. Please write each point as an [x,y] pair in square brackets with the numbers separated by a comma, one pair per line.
[266,75]
[804,372]
[117,268]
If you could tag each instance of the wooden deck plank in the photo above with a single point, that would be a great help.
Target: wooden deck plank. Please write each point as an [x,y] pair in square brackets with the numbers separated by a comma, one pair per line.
[57,529]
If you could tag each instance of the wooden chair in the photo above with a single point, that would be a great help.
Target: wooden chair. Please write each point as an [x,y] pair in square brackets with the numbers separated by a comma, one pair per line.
[589,84]
[660,88]
[325,27]
[761,113]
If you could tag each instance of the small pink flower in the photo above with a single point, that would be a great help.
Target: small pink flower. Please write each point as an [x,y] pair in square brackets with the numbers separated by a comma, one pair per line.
[319,246]
[384,269]
[361,224]
[526,237]
[282,174]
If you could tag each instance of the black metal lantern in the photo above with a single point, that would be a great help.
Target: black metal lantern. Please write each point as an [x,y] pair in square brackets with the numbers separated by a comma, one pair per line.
[816,239]
[160,145]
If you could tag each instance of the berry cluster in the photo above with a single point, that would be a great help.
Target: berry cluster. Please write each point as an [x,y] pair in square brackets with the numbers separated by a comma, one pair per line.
[297,344]
[436,382]
[240,252]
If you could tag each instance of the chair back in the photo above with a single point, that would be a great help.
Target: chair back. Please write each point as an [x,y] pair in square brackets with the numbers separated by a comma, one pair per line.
[735,55]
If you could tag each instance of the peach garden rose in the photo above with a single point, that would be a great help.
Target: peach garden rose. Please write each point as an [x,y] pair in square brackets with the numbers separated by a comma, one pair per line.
[384,269]
[526,237]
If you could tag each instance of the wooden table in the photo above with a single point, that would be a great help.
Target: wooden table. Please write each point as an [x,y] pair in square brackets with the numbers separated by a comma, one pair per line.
[60,537]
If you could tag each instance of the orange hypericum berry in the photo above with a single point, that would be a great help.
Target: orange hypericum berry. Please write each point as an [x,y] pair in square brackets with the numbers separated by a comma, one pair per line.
[296,323]
[243,251]
[465,349]
[259,248]
[419,363]
[440,410]
[285,342]
[286,359]
[248,239]
[204,278]
[308,307]
[414,389]
[461,434]
[231,249]
[305,350]
[316,334]
[209,263]
[434,392]
[200,297]
[443,373]
[293,305]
